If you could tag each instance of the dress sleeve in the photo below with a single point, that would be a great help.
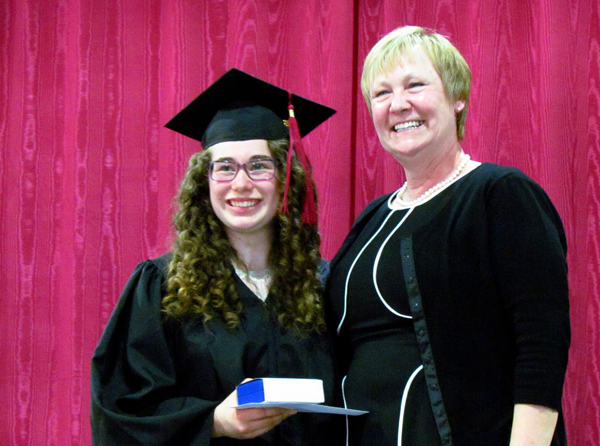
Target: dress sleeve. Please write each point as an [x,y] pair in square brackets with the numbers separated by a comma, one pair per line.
[135,398]
[529,251]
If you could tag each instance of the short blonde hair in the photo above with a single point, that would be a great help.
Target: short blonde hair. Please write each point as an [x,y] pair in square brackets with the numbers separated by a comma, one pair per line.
[404,42]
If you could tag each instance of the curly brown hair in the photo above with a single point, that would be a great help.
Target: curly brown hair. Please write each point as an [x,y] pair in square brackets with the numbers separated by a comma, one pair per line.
[201,279]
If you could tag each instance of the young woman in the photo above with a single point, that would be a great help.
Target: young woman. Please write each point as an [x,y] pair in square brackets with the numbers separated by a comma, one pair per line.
[239,297]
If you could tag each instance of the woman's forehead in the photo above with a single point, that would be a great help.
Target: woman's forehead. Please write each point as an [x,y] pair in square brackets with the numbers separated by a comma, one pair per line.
[414,57]
[243,150]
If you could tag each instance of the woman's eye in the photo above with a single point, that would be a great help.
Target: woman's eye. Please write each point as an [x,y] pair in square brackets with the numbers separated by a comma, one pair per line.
[380,93]
[415,84]
[224,167]
[262,165]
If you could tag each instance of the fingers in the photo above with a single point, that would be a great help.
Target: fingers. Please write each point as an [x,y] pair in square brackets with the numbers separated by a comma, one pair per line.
[255,422]
[246,423]
[272,418]
[266,413]
[271,414]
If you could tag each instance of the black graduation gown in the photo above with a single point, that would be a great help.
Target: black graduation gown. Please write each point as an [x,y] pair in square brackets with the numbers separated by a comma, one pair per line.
[157,383]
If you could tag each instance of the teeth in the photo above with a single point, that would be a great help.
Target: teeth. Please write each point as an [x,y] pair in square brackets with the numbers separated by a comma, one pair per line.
[407,125]
[243,204]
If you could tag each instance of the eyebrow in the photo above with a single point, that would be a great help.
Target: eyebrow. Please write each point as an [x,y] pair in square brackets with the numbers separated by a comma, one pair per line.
[406,76]
[252,158]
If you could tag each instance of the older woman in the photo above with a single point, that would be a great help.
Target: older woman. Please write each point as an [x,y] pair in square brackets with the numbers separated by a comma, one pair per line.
[239,297]
[450,295]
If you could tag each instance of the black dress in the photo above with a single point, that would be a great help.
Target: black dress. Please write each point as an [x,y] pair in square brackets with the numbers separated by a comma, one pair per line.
[158,383]
[472,287]
[385,376]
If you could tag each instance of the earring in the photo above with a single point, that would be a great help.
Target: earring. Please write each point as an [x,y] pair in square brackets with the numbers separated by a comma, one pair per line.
[459,108]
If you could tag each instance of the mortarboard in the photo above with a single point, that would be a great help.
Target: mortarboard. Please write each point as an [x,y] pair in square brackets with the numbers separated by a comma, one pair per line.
[240,107]
[232,98]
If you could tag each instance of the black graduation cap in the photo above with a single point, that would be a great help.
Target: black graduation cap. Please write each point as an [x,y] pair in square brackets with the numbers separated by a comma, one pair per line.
[238,107]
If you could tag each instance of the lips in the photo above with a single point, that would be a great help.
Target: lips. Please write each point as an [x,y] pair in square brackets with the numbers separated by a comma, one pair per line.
[246,203]
[408,125]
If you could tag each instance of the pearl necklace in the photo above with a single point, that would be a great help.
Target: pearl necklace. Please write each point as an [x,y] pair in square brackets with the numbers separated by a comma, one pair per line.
[442,184]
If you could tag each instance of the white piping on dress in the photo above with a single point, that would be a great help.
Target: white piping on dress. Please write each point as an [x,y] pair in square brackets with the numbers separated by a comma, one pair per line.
[403,404]
[354,263]
[346,407]
[376,263]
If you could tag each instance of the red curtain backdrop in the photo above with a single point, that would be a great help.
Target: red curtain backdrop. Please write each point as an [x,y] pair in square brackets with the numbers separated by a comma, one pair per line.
[88,173]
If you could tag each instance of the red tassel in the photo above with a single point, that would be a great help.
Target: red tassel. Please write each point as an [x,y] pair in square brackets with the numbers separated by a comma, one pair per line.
[309,212]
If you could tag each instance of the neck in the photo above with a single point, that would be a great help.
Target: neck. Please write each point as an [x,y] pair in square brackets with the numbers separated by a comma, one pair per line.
[252,249]
[403,201]
[426,173]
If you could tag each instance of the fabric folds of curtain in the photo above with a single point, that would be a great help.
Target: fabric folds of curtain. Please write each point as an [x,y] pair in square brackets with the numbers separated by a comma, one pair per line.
[88,172]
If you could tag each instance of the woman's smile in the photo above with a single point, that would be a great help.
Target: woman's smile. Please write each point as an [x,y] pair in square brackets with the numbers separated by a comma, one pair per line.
[409,125]
[242,202]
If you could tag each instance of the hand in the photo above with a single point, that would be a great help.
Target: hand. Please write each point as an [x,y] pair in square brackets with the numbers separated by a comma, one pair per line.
[244,424]
[533,425]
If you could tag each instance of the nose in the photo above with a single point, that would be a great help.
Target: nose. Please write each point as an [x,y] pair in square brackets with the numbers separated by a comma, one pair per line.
[399,102]
[241,180]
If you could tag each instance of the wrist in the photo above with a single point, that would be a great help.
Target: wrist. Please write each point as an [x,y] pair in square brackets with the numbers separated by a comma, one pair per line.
[217,427]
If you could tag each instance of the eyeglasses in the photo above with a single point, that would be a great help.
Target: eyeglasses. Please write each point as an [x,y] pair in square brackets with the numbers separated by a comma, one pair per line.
[258,170]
